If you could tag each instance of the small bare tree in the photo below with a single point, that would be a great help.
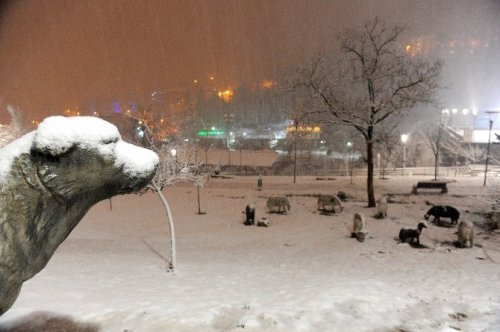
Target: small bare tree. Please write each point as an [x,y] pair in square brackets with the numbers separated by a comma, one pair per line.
[174,167]
[371,82]
[432,137]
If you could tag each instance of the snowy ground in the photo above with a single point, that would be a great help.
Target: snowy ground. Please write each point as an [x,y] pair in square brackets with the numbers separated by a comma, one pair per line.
[303,273]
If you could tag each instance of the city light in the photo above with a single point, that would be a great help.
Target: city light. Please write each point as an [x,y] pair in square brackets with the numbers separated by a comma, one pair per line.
[226,95]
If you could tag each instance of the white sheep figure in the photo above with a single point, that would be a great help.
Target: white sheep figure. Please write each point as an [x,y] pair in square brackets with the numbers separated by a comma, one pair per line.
[466,234]
[331,201]
[382,207]
[359,227]
[280,202]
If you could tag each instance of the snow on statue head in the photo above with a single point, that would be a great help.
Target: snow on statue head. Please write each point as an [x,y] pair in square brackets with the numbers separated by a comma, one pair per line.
[49,179]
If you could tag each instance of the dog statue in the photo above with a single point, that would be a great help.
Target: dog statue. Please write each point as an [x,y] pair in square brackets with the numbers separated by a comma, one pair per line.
[49,179]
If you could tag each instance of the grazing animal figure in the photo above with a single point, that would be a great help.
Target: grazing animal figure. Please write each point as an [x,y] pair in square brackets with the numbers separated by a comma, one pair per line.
[49,179]
[382,207]
[250,214]
[331,201]
[358,229]
[443,211]
[412,234]
[465,234]
[279,202]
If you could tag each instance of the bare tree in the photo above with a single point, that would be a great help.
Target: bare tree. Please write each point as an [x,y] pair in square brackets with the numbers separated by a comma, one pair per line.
[177,164]
[371,82]
[432,135]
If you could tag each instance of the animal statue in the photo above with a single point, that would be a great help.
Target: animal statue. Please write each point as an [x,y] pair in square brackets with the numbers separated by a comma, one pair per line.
[279,202]
[249,214]
[359,227]
[412,234]
[49,179]
[382,207]
[443,211]
[465,234]
[331,201]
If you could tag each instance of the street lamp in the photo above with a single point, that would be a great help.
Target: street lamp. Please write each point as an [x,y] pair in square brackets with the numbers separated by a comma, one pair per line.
[404,138]
[349,157]
[173,152]
[488,147]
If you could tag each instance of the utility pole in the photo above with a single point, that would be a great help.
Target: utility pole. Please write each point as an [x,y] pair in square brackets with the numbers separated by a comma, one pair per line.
[488,147]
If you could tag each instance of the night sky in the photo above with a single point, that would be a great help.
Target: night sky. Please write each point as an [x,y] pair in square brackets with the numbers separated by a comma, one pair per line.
[57,54]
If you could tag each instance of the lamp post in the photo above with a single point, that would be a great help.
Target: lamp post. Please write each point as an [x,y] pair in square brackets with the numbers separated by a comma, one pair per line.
[173,152]
[349,157]
[404,138]
[488,147]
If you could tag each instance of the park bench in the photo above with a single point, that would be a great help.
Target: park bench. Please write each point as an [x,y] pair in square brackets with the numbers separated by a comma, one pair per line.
[430,185]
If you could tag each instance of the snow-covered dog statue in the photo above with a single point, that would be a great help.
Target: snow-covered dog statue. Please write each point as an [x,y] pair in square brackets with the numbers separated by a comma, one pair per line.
[49,179]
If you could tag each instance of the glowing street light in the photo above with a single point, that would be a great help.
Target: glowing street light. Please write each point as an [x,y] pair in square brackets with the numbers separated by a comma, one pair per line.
[404,139]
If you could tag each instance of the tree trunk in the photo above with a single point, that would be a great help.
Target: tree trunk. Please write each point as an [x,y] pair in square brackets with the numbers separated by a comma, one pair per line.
[369,181]
[173,250]
[436,165]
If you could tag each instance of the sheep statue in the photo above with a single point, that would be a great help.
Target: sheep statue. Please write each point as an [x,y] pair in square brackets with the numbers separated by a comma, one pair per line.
[465,234]
[359,229]
[331,201]
[381,208]
[412,234]
[49,179]
[443,211]
[280,202]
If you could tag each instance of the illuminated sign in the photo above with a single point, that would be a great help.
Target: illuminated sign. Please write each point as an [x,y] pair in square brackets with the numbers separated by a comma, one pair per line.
[211,133]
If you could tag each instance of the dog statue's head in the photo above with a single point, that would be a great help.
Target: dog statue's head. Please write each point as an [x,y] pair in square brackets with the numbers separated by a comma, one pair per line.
[80,156]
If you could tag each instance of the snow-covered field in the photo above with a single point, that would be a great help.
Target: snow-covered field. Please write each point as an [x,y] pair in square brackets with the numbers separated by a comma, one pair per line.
[303,273]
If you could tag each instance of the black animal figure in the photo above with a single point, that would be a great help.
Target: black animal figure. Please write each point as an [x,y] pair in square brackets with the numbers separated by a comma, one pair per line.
[250,215]
[412,234]
[443,211]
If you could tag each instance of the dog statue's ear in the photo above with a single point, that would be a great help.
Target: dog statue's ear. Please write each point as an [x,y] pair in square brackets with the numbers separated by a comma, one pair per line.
[29,171]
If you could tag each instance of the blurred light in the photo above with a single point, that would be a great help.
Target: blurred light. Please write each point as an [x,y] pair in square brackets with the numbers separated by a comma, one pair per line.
[445,111]
[226,95]
[173,152]
[404,138]
[465,111]
[454,111]
[267,84]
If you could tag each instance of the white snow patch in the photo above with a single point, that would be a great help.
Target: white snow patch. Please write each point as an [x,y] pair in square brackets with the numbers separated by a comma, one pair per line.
[135,160]
[57,134]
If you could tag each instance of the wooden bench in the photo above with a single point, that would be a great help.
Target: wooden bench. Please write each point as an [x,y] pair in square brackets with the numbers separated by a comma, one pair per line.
[430,185]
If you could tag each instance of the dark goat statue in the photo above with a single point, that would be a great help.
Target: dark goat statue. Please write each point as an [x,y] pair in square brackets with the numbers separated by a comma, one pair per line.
[443,211]
[412,234]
